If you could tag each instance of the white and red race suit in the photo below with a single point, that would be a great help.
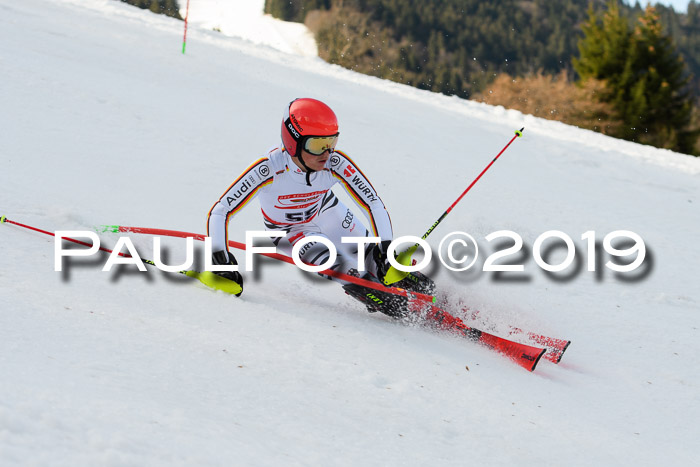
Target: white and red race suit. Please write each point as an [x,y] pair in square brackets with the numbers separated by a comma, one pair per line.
[288,204]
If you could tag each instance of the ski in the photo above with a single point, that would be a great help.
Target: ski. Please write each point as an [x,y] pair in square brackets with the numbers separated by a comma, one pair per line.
[415,308]
[555,347]
[524,355]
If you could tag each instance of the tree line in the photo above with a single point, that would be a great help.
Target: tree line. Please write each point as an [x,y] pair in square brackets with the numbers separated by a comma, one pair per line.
[163,7]
[448,46]
[629,72]
[641,88]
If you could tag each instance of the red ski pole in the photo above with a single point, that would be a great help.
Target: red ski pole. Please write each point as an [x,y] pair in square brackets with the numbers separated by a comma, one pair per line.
[405,257]
[518,133]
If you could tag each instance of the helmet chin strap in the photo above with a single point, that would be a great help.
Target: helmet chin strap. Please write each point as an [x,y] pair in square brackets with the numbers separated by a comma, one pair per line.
[308,169]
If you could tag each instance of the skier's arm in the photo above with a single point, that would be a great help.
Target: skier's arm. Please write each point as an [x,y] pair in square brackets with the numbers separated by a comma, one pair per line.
[363,194]
[366,198]
[240,193]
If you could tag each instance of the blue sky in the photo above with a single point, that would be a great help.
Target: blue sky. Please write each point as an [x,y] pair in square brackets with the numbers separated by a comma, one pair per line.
[680,6]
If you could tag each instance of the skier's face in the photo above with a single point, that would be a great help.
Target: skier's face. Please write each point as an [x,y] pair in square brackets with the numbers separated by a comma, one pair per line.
[315,162]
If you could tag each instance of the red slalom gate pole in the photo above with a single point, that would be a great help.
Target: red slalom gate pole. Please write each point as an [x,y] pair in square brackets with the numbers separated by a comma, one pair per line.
[241,246]
[5,220]
[207,278]
[184,37]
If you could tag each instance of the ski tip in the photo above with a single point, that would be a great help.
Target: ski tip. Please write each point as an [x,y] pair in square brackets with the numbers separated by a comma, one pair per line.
[561,352]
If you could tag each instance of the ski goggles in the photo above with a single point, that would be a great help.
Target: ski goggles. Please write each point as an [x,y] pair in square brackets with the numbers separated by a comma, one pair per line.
[317,145]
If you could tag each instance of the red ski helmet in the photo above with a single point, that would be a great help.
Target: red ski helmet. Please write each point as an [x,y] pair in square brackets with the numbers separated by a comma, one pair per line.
[305,118]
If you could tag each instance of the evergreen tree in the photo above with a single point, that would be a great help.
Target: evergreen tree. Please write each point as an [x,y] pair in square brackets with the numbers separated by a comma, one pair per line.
[604,47]
[659,104]
[294,10]
[646,80]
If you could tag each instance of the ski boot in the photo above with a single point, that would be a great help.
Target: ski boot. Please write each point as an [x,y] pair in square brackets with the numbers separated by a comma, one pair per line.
[390,304]
[393,305]
[416,282]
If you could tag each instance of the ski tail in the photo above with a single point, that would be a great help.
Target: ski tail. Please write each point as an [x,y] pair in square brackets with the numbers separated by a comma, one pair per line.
[555,347]
[522,354]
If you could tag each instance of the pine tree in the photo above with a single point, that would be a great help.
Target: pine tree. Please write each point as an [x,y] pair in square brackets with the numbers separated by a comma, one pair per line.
[659,105]
[645,78]
[604,47]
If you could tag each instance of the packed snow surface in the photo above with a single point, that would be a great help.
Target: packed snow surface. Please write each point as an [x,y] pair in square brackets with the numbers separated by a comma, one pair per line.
[244,19]
[105,121]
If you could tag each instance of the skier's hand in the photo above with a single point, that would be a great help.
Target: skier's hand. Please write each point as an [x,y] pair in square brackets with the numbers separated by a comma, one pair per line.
[387,273]
[380,259]
[226,258]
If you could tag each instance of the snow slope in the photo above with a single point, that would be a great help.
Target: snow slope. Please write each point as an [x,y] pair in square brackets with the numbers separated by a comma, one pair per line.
[104,121]
[245,19]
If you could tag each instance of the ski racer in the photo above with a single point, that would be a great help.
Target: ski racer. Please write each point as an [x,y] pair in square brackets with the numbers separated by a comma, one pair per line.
[293,184]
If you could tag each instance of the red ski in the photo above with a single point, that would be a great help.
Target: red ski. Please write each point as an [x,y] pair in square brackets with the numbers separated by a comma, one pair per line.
[555,347]
[524,355]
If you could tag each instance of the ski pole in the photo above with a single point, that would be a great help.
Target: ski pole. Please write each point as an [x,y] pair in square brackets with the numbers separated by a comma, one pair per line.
[518,133]
[406,255]
[207,278]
